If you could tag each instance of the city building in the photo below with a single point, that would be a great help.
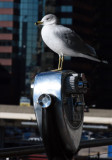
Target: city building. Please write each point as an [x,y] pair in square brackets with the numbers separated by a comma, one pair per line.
[9,37]
[23,53]
[18,44]
[28,34]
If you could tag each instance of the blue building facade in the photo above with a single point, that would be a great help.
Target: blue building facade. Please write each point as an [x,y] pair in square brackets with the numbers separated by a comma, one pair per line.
[28,33]
[18,43]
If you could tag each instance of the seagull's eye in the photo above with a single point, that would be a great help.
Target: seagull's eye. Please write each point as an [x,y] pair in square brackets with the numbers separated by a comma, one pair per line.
[48,19]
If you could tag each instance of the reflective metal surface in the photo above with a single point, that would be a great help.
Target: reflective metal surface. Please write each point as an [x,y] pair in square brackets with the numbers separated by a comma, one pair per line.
[45,100]
[45,83]
[66,114]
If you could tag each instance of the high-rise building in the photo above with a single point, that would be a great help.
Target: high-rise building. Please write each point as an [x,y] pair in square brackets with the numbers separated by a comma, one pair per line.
[9,37]
[28,33]
[9,15]
[22,51]
[18,43]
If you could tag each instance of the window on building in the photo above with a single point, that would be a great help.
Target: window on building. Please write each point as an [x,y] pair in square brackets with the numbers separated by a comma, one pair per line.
[66,21]
[66,8]
[67,58]
[6,4]
[6,17]
[5,43]
[6,30]
[9,5]
[5,55]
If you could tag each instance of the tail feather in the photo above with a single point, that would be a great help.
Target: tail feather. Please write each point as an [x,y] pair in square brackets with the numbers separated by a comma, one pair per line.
[92,58]
[91,49]
[89,57]
[104,61]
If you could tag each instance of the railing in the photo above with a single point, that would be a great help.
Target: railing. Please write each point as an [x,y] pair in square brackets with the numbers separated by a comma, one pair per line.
[21,151]
[37,149]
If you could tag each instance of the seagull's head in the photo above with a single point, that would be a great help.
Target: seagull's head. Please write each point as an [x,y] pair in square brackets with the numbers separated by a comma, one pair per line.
[47,20]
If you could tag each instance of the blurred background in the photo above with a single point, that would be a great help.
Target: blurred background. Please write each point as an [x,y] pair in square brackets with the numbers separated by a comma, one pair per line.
[23,54]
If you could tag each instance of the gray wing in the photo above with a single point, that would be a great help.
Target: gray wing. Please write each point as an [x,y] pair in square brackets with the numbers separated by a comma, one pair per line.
[73,41]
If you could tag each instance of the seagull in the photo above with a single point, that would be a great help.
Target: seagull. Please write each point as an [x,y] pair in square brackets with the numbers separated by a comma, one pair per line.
[64,41]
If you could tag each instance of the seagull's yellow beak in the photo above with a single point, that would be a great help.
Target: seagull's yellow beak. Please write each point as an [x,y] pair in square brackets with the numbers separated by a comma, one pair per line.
[38,22]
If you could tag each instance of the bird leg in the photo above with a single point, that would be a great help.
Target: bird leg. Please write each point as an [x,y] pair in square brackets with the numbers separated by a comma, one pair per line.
[60,63]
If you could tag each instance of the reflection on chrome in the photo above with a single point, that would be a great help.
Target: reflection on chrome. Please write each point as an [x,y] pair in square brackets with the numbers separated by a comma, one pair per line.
[44,100]
[48,83]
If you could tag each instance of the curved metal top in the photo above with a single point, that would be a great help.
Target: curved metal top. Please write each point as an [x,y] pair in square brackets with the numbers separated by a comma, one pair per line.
[46,83]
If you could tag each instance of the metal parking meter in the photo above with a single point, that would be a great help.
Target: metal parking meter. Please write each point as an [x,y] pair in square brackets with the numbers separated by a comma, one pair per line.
[59,104]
